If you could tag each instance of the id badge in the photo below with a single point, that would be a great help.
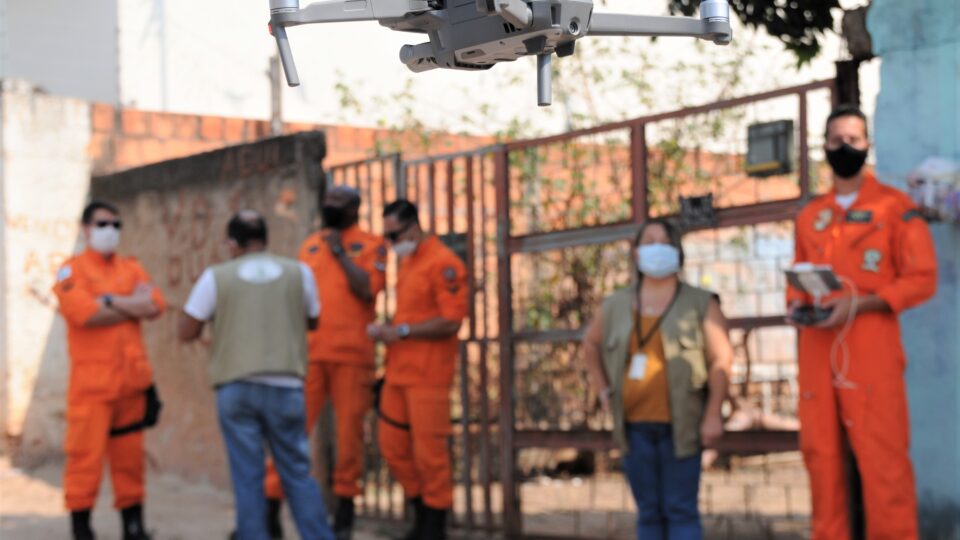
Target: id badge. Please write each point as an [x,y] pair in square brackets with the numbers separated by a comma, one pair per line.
[638,367]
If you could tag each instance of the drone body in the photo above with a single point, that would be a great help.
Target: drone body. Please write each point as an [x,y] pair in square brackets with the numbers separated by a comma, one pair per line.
[476,34]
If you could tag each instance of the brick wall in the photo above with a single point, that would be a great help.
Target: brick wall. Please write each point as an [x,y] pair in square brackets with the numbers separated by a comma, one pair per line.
[126,138]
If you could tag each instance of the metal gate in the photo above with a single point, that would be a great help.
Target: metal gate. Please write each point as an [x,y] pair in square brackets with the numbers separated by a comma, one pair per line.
[541,224]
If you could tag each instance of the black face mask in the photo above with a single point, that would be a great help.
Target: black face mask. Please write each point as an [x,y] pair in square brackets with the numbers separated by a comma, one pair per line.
[846,161]
[335,217]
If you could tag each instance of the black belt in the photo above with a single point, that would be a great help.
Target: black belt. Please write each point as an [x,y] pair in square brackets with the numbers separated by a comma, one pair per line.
[377,389]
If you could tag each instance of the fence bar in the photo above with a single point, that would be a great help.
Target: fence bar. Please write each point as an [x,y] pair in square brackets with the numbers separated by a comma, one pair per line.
[465,424]
[512,523]
[689,111]
[804,149]
[638,166]
[432,194]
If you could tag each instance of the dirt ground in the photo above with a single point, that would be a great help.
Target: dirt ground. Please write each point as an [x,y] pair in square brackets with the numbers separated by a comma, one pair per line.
[758,500]
[31,508]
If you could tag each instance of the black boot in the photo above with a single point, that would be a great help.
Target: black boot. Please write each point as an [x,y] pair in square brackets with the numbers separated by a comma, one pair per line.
[434,524]
[343,519]
[80,525]
[416,533]
[273,519]
[132,522]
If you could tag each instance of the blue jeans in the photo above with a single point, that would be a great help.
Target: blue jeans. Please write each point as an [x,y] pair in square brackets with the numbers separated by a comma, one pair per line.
[664,487]
[253,416]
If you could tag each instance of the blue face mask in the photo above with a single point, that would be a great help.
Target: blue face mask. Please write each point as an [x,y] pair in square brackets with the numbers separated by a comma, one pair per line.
[658,260]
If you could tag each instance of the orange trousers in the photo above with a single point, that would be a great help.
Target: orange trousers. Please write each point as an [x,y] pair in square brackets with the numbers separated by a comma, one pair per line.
[419,458]
[350,388]
[867,408]
[88,443]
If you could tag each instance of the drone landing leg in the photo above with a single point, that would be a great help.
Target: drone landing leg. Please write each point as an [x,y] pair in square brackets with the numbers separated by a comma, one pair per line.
[544,80]
[286,55]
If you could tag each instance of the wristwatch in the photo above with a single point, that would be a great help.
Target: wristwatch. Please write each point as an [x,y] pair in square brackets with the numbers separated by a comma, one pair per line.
[403,331]
[108,300]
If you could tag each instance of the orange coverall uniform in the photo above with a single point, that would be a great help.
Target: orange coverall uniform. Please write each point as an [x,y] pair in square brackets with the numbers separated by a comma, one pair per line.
[883,246]
[431,283]
[109,372]
[341,354]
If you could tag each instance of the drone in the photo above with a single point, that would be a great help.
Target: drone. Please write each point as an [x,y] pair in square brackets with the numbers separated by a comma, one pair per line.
[474,35]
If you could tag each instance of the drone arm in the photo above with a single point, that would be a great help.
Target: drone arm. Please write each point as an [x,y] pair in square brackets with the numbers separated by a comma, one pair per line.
[618,24]
[284,13]
[329,11]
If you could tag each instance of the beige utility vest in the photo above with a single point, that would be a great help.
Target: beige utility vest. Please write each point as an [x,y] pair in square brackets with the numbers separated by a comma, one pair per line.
[684,352]
[260,322]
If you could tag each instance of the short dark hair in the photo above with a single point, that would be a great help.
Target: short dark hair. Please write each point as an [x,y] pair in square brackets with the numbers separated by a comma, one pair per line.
[404,210]
[846,110]
[89,210]
[355,197]
[674,233]
[247,226]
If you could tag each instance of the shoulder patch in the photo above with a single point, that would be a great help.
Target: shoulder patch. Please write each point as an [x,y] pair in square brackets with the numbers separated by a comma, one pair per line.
[356,246]
[912,213]
[450,273]
[382,251]
[823,219]
[64,273]
[313,249]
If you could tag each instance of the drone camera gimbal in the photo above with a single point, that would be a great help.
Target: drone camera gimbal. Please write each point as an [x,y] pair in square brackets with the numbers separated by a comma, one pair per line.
[476,34]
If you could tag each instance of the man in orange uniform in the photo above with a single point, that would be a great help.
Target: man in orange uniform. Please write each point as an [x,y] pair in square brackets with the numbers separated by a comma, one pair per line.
[103,298]
[348,265]
[852,390]
[422,348]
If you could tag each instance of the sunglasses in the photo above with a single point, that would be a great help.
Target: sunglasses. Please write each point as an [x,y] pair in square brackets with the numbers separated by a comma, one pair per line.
[116,224]
[394,235]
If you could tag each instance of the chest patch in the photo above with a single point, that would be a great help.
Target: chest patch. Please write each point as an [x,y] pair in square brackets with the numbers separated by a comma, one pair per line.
[871,260]
[859,216]
[824,217]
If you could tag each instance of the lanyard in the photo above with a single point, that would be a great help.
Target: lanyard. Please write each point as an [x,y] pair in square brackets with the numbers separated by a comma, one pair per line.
[642,340]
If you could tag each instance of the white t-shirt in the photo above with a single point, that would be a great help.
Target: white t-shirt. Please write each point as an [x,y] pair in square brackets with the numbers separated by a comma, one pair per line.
[202,303]
[846,201]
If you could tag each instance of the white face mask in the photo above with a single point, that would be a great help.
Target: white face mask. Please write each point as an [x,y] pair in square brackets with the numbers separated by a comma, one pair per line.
[104,239]
[402,249]
[658,260]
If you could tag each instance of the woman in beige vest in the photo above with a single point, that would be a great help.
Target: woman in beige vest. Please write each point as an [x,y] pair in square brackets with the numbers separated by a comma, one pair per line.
[659,357]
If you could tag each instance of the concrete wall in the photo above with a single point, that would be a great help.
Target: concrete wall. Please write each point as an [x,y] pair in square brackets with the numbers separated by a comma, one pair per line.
[175,218]
[45,172]
[49,148]
[918,115]
[66,47]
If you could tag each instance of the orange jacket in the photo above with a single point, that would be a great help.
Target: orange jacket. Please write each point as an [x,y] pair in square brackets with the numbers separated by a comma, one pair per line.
[107,362]
[431,283]
[881,244]
[342,334]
